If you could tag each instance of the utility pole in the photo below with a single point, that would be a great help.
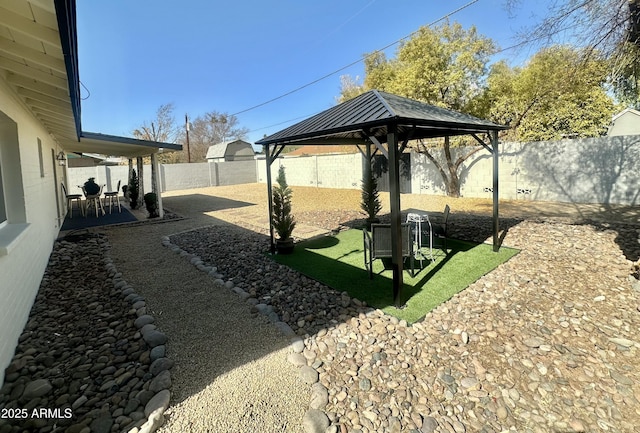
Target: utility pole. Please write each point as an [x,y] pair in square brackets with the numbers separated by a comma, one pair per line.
[186,125]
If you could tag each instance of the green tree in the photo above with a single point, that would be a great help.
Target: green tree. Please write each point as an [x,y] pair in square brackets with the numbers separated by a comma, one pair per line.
[626,78]
[163,129]
[212,128]
[610,27]
[443,66]
[556,94]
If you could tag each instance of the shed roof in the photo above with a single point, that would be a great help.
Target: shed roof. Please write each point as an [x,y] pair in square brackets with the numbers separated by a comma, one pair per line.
[370,114]
[219,150]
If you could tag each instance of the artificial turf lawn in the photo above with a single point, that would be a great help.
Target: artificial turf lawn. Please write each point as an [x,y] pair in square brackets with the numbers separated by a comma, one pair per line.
[338,262]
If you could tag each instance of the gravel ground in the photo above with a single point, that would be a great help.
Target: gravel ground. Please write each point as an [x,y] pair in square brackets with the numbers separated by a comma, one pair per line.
[230,369]
[322,207]
[231,372]
[570,286]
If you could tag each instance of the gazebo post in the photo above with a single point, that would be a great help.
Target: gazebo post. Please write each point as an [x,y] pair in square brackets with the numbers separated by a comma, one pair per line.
[270,197]
[396,223]
[496,222]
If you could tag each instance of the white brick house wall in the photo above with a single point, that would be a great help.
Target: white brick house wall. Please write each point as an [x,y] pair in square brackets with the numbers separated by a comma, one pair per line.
[34,205]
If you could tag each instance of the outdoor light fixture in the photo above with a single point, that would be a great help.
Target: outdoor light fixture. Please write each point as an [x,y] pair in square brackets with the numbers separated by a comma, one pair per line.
[61,158]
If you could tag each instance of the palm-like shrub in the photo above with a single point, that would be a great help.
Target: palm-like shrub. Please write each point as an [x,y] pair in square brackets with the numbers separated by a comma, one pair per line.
[370,203]
[281,218]
[133,190]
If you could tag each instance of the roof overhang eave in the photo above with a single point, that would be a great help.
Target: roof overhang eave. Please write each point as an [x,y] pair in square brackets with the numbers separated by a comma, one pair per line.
[112,145]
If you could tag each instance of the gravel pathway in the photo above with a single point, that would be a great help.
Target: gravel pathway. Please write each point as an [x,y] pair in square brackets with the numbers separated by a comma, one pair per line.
[230,369]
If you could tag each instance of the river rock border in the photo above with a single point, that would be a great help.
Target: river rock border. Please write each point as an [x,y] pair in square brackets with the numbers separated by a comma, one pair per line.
[111,371]
[301,355]
[160,365]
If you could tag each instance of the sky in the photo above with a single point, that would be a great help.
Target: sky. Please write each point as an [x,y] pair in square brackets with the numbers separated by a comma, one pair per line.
[231,56]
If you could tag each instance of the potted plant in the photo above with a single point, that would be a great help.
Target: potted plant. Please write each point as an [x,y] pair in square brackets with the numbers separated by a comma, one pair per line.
[370,203]
[281,218]
[124,192]
[133,190]
[91,187]
[151,202]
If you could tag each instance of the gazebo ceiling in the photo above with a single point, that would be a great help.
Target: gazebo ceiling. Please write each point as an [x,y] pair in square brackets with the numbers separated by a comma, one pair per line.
[370,114]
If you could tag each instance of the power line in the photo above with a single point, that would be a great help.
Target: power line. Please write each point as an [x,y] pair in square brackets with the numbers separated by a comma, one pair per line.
[511,47]
[283,122]
[313,114]
[297,89]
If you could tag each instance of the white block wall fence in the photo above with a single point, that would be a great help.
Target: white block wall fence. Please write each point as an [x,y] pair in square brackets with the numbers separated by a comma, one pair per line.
[172,176]
[592,170]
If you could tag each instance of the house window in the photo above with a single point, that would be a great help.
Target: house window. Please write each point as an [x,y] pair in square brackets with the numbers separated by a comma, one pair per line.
[13,215]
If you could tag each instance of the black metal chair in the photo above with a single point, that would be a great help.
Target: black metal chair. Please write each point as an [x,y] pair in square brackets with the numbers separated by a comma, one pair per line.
[377,245]
[441,231]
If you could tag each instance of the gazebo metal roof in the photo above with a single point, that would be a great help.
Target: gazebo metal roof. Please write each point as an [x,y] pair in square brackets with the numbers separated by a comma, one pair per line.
[377,117]
[371,113]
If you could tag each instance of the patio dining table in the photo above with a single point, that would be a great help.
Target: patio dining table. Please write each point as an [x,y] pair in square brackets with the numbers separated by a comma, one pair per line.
[93,199]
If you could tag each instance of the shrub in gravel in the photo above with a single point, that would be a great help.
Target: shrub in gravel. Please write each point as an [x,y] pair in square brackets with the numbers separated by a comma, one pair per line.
[281,218]
[151,202]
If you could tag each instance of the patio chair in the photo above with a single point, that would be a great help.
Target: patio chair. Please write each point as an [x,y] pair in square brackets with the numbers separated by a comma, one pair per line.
[441,231]
[111,195]
[70,199]
[93,200]
[377,245]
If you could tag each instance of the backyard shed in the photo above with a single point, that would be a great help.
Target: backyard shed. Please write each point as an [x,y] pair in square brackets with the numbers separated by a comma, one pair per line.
[236,150]
[376,118]
[626,122]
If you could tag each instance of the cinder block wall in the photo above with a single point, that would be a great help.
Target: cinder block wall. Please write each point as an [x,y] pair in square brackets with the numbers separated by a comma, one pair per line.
[589,170]
[235,172]
[326,171]
[594,170]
